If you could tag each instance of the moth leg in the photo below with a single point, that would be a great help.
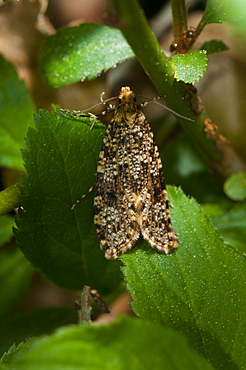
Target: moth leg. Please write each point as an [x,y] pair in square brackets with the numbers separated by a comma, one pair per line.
[82,197]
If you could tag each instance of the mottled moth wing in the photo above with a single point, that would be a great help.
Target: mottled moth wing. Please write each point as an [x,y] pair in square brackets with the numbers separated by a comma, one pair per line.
[130,196]
[114,219]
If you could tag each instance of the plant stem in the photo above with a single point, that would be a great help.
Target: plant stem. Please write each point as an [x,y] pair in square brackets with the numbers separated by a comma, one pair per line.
[85,309]
[10,198]
[179,18]
[157,66]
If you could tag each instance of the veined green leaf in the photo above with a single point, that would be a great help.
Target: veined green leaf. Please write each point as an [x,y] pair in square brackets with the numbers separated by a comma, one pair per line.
[61,160]
[199,290]
[77,53]
[189,67]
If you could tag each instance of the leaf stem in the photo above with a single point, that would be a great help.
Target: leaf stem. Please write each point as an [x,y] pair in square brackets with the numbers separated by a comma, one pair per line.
[10,198]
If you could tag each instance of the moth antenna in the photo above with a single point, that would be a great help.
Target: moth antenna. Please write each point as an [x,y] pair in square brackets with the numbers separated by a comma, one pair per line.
[101,102]
[89,114]
[163,106]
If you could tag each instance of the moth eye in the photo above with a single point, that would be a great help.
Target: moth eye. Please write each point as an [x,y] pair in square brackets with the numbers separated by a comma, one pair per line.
[134,99]
[119,101]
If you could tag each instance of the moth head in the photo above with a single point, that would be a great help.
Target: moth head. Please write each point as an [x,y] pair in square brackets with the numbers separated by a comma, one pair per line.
[126,95]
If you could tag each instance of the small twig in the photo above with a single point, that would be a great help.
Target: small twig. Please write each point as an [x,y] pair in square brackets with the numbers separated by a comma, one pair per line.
[85,311]
[83,306]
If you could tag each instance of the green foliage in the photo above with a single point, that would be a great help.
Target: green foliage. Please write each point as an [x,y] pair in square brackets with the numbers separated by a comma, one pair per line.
[121,345]
[188,168]
[231,224]
[185,290]
[6,224]
[15,350]
[61,159]
[190,67]
[214,46]
[77,53]
[218,11]
[15,273]
[235,186]
[16,110]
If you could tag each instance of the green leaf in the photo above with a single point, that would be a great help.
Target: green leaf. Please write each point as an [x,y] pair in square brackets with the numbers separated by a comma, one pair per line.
[189,67]
[214,46]
[231,224]
[16,111]
[15,350]
[199,290]
[127,343]
[15,276]
[77,53]
[61,161]
[6,232]
[235,186]
[218,11]
[37,322]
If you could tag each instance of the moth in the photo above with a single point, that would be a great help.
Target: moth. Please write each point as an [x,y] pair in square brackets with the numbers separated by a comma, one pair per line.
[131,199]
